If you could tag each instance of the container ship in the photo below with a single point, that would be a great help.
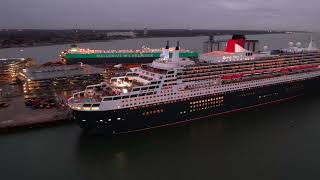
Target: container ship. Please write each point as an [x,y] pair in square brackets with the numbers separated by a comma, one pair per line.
[173,90]
[99,57]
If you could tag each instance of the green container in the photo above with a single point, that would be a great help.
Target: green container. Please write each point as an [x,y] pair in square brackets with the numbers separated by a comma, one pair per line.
[127,55]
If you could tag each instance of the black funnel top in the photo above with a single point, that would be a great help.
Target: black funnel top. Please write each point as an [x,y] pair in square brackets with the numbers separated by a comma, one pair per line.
[178,46]
[238,36]
[167,47]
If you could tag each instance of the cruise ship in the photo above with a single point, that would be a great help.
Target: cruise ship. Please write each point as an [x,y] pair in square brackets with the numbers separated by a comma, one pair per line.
[173,90]
[76,55]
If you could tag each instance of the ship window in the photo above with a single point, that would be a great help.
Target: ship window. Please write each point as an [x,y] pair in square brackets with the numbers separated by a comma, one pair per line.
[144,88]
[87,105]
[95,105]
[116,98]
[170,72]
[143,94]
[125,97]
[135,95]
[152,87]
[136,89]
[107,99]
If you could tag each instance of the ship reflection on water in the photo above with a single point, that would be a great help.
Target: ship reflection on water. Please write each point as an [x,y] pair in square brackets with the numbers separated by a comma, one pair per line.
[225,142]
[119,152]
[211,133]
[278,140]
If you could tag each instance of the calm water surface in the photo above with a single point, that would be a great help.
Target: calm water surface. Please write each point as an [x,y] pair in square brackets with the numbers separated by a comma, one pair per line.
[279,141]
[50,53]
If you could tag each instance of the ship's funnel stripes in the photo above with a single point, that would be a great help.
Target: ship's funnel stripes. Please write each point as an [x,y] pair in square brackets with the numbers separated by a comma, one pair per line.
[178,46]
[175,55]
[236,39]
[167,46]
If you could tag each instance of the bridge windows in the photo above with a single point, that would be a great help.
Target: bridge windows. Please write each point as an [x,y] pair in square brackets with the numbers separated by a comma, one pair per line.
[116,98]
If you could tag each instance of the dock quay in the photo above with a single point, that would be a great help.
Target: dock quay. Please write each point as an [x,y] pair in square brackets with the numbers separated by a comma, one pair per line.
[18,116]
[38,98]
[37,94]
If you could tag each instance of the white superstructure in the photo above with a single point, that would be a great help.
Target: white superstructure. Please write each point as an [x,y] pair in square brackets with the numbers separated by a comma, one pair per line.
[167,80]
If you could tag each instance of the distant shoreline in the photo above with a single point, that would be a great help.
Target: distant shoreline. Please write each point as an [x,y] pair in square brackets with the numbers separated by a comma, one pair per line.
[38,38]
[53,44]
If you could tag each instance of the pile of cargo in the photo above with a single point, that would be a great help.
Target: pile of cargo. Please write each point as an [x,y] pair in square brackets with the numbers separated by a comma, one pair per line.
[3,105]
[46,102]
[41,103]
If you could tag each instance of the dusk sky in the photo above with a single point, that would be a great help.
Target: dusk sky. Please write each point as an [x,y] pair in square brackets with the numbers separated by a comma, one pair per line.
[124,14]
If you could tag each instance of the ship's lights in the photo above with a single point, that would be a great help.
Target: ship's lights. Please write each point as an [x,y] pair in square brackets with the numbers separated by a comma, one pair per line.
[122,84]
[125,90]
[74,50]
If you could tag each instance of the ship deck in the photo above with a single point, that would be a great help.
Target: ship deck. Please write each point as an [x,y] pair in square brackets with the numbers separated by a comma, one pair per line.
[217,54]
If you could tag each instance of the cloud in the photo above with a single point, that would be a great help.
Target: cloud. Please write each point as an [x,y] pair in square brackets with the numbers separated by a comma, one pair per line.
[111,14]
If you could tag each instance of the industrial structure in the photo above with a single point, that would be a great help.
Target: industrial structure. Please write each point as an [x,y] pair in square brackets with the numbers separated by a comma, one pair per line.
[50,79]
[9,68]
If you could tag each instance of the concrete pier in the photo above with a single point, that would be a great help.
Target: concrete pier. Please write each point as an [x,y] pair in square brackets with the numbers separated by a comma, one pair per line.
[17,115]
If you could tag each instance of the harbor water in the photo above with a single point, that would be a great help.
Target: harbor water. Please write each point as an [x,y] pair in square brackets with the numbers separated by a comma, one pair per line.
[277,141]
[44,54]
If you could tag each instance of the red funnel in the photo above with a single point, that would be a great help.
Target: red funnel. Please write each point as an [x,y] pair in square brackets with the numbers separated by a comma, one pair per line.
[236,39]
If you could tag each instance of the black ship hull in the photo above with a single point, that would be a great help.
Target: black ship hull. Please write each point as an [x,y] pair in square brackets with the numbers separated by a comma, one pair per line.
[101,61]
[185,110]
